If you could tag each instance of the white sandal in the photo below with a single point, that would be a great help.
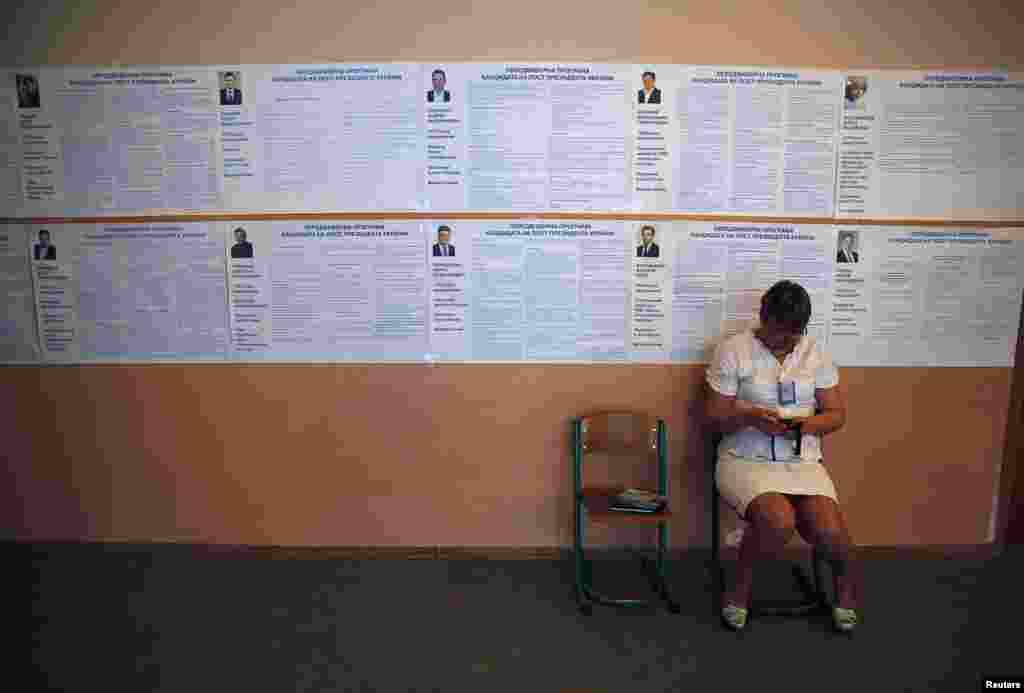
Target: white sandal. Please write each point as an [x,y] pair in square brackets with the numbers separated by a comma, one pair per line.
[734,616]
[845,620]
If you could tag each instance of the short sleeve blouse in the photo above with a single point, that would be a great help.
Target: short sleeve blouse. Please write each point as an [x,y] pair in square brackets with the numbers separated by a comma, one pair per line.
[744,368]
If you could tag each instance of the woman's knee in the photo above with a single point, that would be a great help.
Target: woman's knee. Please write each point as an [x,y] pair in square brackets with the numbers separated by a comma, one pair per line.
[821,523]
[772,512]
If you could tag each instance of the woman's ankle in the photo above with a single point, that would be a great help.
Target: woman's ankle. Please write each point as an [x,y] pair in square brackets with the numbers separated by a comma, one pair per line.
[739,595]
[846,596]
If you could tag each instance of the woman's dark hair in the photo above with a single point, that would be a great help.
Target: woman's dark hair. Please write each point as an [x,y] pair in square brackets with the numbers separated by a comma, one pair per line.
[787,303]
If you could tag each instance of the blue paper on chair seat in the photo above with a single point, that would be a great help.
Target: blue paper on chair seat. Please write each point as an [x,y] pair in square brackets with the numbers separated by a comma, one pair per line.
[637,501]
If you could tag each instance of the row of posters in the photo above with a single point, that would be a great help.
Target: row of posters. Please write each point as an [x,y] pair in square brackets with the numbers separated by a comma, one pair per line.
[500,291]
[512,137]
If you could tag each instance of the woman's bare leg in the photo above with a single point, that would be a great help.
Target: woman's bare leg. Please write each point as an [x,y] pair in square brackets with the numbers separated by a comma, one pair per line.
[771,521]
[821,522]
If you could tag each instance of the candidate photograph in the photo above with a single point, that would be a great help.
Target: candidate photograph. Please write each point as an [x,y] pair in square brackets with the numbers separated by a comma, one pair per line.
[847,247]
[647,247]
[242,249]
[230,89]
[28,91]
[650,93]
[439,94]
[44,249]
[443,246]
[856,87]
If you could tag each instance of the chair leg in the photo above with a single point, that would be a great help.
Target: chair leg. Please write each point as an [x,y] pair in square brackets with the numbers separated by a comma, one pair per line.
[806,587]
[812,597]
[658,580]
[586,595]
[655,571]
[819,580]
[716,569]
[583,599]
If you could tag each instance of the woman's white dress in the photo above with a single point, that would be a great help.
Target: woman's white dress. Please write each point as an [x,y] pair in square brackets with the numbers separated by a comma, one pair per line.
[751,462]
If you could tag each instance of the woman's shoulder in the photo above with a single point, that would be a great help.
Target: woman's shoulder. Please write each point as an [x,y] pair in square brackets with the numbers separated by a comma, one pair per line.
[814,350]
[736,346]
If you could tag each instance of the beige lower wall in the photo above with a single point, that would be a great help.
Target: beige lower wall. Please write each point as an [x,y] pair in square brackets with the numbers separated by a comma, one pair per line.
[443,455]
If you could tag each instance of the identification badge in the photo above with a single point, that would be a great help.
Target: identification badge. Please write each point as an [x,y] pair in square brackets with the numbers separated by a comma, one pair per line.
[787,393]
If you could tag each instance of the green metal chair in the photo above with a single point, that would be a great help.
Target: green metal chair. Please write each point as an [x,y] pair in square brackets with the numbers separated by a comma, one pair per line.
[624,437]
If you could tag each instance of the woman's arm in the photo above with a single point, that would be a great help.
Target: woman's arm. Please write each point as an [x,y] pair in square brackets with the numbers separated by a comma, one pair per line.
[729,414]
[831,415]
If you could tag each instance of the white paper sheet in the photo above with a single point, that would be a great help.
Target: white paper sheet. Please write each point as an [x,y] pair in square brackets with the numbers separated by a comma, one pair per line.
[18,337]
[53,251]
[324,137]
[36,119]
[603,332]
[932,145]
[651,253]
[11,196]
[152,292]
[757,141]
[531,136]
[655,96]
[721,271]
[444,132]
[530,290]
[132,140]
[124,292]
[927,296]
[449,249]
[328,291]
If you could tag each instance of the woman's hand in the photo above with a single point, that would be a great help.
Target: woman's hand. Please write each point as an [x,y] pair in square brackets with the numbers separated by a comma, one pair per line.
[766,421]
[801,423]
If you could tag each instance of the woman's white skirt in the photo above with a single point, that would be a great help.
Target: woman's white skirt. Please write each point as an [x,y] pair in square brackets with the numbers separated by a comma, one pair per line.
[742,479]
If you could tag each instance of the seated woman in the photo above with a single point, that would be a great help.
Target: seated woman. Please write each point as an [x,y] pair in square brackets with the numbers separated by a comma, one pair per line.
[756,379]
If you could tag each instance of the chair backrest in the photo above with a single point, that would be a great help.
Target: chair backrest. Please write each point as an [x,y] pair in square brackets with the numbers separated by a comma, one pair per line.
[620,431]
[617,447]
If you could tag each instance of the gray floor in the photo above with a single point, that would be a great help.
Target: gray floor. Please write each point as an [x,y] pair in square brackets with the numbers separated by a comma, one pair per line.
[163,620]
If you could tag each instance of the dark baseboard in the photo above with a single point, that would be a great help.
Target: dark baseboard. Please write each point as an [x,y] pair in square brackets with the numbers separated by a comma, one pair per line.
[454,553]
